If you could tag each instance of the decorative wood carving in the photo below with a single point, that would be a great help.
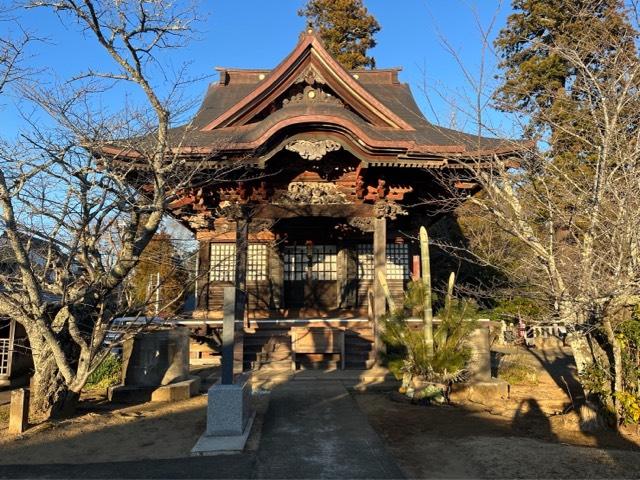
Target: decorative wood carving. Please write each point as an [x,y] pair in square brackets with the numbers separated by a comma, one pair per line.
[198,222]
[258,225]
[231,211]
[313,150]
[310,76]
[312,95]
[313,193]
[387,209]
[364,224]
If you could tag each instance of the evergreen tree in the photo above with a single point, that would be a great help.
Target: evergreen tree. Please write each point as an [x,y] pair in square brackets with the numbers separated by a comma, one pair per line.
[539,79]
[347,29]
[159,278]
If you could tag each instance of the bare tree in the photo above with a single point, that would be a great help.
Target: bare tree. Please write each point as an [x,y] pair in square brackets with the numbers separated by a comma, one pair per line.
[80,201]
[577,225]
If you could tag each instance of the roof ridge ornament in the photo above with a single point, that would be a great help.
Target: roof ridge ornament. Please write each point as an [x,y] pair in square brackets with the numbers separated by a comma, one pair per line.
[312,95]
[313,149]
[310,75]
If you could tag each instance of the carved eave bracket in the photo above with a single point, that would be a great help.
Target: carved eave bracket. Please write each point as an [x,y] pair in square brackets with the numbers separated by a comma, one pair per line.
[231,211]
[312,193]
[364,224]
[388,209]
[198,222]
[313,149]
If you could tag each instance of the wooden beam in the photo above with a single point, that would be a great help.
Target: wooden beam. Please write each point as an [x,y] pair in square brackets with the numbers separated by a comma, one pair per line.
[292,211]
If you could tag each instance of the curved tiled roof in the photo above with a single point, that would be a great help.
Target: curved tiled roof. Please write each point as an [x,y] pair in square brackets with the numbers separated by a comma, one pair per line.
[244,111]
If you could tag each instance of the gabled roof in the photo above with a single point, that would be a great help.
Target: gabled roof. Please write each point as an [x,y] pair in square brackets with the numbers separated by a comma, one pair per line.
[310,93]
[309,58]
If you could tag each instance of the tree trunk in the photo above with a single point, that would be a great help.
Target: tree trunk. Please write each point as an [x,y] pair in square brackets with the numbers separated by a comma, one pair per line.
[48,387]
[51,396]
[616,368]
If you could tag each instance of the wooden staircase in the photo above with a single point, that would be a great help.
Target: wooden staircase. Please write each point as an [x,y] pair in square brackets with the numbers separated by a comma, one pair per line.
[269,348]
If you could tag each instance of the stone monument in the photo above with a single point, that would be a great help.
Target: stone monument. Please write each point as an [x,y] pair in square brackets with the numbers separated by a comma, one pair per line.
[229,415]
[156,368]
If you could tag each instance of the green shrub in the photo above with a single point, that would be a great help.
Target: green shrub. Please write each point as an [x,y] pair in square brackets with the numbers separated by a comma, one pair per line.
[513,309]
[450,350]
[107,374]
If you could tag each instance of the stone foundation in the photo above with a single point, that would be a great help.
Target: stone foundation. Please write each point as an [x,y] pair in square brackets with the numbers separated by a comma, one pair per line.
[173,392]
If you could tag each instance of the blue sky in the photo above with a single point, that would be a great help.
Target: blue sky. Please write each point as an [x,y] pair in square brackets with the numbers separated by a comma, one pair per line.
[260,33]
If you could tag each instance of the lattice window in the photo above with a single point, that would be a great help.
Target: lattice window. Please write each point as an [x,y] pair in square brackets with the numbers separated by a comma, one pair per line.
[397,261]
[365,261]
[323,264]
[4,356]
[295,263]
[257,262]
[223,262]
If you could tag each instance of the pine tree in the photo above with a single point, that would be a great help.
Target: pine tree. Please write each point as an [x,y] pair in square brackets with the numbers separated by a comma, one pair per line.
[540,81]
[550,50]
[159,265]
[347,29]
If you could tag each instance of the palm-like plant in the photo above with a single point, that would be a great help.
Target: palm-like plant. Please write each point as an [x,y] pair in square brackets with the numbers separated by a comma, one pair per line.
[450,350]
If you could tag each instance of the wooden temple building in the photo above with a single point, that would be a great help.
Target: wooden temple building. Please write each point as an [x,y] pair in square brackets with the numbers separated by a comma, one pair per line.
[327,172]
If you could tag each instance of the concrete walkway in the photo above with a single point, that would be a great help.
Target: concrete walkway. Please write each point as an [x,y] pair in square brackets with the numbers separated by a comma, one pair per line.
[316,430]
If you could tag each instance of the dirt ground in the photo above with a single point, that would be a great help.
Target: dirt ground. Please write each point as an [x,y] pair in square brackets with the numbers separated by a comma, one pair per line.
[535,433]
[139,432]
[148,431]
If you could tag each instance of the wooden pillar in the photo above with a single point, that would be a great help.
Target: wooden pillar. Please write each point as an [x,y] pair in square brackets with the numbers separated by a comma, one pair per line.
[242,252]
[204,264]
[380,266]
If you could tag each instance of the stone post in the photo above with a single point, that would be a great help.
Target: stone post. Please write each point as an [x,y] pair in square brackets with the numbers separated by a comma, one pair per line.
[480,363]
[228,335]
[229,415]
[19,411]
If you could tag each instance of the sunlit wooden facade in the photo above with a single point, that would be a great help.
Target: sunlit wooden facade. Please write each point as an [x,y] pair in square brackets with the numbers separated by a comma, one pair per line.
[327,172]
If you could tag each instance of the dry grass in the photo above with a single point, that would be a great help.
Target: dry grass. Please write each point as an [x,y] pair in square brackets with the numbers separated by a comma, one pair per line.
[4,416]
[516,370]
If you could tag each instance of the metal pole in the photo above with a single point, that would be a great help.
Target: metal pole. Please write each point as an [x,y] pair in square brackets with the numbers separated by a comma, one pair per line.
[158,294]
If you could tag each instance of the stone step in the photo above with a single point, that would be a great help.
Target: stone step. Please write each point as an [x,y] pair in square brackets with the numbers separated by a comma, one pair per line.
[319,365]
[280,365]
[275,356]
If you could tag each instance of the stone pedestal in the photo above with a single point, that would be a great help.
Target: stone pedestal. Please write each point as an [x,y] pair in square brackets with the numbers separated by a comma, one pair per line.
[480,387]
[228,409]
[229,420]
